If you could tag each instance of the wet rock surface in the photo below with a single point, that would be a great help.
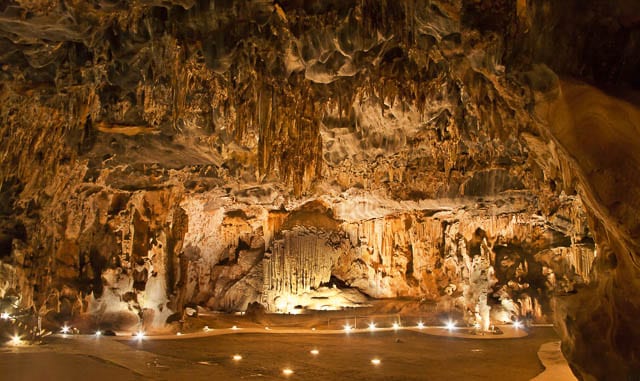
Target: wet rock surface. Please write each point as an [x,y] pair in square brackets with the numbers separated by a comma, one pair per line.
[163,154]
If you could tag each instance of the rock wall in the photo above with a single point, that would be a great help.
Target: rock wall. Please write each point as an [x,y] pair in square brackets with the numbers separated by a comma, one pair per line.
[602,169]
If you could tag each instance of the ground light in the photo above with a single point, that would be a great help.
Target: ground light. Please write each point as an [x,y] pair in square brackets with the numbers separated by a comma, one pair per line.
[5,316]
[372,326]
[65,329]
[237,357]
[139,335]
[234,328]
[206,328]
[16,340]
[98,333]
[314,352]
[420,325]
[450,325]
[287,371]
[396,326]
[347,328]
[375,361]
[517,324]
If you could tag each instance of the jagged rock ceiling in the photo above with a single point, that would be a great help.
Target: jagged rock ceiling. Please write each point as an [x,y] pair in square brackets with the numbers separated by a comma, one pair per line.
[161,153]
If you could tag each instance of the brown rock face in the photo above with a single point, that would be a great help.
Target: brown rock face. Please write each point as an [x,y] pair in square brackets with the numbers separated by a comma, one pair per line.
[159,154]
[596,133]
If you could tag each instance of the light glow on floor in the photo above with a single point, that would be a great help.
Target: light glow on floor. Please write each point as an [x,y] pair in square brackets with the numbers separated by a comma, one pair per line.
[287,371]
[16,340]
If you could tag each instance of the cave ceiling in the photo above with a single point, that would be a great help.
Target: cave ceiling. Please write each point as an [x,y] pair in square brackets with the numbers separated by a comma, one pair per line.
[205,139]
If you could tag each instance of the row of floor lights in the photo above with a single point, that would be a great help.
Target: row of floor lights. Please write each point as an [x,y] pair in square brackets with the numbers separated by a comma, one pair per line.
[233,328]
[140,334]
[347,328]
[450,325]
[65,329]
[288,371]
[372,326]
[285,371]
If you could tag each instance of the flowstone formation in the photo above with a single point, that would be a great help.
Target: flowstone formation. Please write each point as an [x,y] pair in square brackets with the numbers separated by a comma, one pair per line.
[317,154]
[481,275]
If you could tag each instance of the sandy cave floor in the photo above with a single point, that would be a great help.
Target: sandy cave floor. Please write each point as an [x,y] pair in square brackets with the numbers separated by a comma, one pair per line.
[404,355]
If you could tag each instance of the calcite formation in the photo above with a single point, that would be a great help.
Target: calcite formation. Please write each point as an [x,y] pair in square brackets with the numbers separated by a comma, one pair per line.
[163,154]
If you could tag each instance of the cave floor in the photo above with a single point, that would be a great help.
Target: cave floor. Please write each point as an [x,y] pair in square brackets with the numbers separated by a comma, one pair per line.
[404,355]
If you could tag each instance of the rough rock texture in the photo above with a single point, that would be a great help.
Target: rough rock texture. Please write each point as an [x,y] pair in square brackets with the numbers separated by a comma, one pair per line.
[603,168]
[157,154]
